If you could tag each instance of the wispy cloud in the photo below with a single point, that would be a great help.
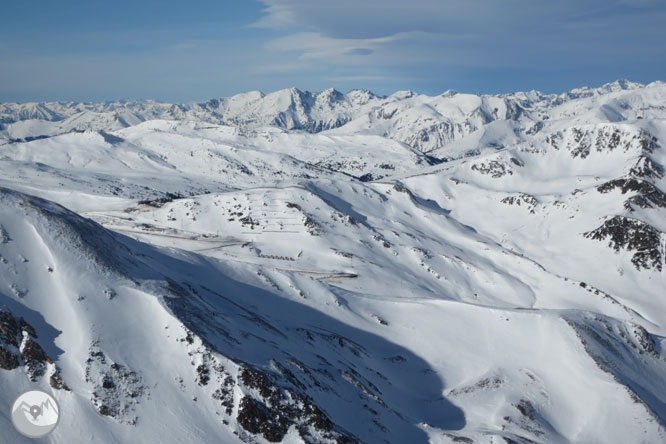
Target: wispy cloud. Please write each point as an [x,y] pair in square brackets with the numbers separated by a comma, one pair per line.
[313,45]
[447,38]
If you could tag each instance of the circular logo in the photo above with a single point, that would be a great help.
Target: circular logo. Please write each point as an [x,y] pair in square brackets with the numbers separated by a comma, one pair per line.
[35,414]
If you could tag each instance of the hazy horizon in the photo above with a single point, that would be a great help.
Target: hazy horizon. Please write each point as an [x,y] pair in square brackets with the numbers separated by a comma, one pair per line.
[265,93]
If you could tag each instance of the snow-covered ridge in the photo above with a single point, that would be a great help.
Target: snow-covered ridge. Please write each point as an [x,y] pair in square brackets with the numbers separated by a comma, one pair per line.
[423,122]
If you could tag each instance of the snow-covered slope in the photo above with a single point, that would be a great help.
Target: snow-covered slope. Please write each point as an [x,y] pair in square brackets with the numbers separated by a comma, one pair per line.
[227,273]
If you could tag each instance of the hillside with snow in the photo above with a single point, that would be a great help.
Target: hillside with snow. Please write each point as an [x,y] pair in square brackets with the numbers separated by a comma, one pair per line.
[305,267]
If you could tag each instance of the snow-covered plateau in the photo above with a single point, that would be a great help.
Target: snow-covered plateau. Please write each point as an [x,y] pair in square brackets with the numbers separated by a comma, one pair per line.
[338,268]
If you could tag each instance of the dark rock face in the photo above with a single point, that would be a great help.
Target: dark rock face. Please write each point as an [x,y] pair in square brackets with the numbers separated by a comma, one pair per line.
[645,341]
[274,409]
[647,194]
[628,234]
[256,418]
[647,168]
[609,140]
[648,142]
[8,360]
[9,329]
[9,332]
[204,375]
[272,401]
[582,148]
[19,347]
[522,199]
[57,382]
[248,221]
[494,168]
[212,372]
[35,359]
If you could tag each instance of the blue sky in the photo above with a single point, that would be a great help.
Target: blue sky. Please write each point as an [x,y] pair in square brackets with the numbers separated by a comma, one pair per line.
[200,49]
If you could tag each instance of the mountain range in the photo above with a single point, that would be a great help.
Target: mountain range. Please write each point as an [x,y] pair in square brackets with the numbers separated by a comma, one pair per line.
[323,267]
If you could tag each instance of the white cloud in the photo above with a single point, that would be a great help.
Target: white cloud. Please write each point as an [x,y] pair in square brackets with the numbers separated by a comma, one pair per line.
[530,33]
[313,45]
[378,18]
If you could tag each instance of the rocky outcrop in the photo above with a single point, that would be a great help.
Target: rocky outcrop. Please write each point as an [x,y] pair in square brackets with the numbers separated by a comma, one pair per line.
[640,238]
[117,390]
[522,199]
[271,410]
[19,348]
[493,168]
[645,194]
